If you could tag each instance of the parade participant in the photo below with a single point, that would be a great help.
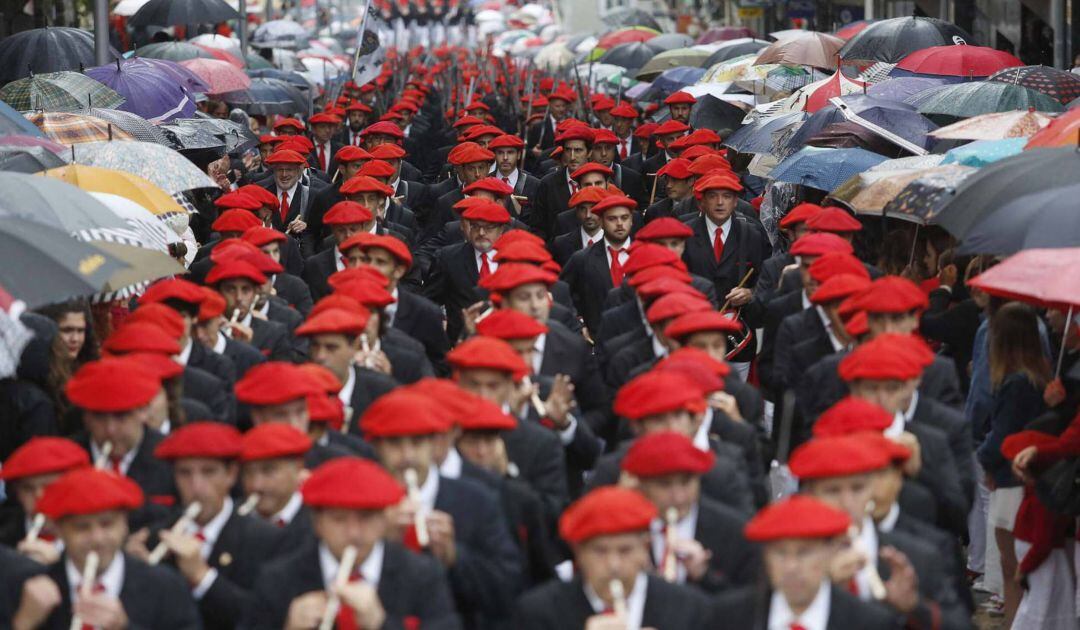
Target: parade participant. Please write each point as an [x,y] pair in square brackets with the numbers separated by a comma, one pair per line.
[272,469]
[293,194]
[586,228]
[284,285]
[208,330]
[679,106]
[345,219]
[593,272]
[556,188]
[324,127]
[238,281]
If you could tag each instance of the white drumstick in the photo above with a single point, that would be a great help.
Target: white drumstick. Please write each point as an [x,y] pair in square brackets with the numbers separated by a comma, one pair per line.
[102,462]
[333,604]
[35,527]
[618,598]
[420,517]
[877,586]
[249,505]
[366,348]
[86,589]
[671,567]
[186,519]
[534,398]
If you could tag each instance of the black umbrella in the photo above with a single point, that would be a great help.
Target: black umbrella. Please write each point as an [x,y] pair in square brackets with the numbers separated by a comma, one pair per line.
[712,113]
[136,125]
[631,17]
[999,183]
[169,12]
[1059,84]
[899,118]
[49,49]
[1045,219]
[761,136]
[848,135]
[735,48]
[892,40]
[269,96]
[193,141]
[292,78]
[173,51]
[236,137]
[632,56]
[27,159]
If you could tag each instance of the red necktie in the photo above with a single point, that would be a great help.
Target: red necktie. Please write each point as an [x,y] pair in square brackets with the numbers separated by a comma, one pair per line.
[485,269]
[853,587]
[718,244]
[322,159]
[280,522]
[797,626]
[346,617]
[97,590]
[622,149]
[573,187]
[114,465]
[616,266]
[284,205]
[506,180]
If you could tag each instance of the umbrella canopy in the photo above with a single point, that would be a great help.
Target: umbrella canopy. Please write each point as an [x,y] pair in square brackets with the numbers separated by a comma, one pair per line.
[817,50]
[169,12]
[851,135]
[775,79]
[133,187]
[995,126]
[714,113]
[735,48]
[892,40]
[824,169]
[280,34]
[36,141]
[191,81]
[626,36]
[230,45]
[27,159]
[1045,277]
[236,136]
[983,152]
[816,95]
[68,128]
[630,56]
[669,59]
[174,51]
[219,76]
[671,41]
[897,118]
[140,128]
[1063,131]
[144,228]
[1059,84]
[13,123]
[58,91]
[902,88]
[149,92]
[554,57]
[269,96]
[631,17]
[222,55]
[964,100]
[1043,219]
[160,165]
[868,192]
[49,49]
[671,81]
[257,62]
[762,135]
[852,29]
[128,8]
[955,61]
[198,144]
[295,79]
[924,196]
[52,202]
[725,33]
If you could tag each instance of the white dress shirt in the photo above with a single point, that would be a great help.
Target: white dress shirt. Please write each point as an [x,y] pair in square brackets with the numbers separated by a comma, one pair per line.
[289,512]
[623,255]
[125,461]
[867,543]
[684,530]
[888,523]
[701,436]
[588,240]
[210,533]
[429,490]
[815,617]
[338,265]
[451,466]
[221,343]
[492,265]
[370,567]
[185,354]
[391,309]
[725,229]
[345,395]
[635,602]
[902,418]
[111,579]
[538,352]
[827,323]
[513,176]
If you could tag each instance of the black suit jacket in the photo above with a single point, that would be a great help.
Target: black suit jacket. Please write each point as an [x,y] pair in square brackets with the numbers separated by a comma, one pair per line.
[243,355]
[215,393]
[213,363]
[775,312]
[412,194]
[317,271]
[271,339]
[451,282]
[298,203]
[552,197]
[411,588]
[422,319]
[589,277]
[15,569]
[747,608]
[568,353]
[369,385]
[321,202]
[153,475]
[538,458]
[294,292]
[406,355]
[735,561]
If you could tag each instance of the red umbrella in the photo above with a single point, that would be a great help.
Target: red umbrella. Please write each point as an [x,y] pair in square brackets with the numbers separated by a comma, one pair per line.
[625,36]
[836,85]
[852,29]
[1063,131]
[221,76]
[221,55]
[958,61]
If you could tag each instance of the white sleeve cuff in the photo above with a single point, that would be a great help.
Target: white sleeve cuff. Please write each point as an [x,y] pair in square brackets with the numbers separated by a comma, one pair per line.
[204,585]
[566,436]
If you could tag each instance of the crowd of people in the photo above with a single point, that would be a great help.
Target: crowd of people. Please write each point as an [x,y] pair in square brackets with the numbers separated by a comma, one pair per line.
[435,364]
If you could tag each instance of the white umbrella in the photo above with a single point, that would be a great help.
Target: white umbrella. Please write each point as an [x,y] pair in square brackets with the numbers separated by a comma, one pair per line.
[221,42]
[488,15]
[554,57]
[146,229]
[127,8]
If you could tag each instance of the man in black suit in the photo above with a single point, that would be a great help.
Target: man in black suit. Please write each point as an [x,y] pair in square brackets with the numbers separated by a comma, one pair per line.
[238,281]
[605,151]
[345,220]
[387,585]
[678,188]
[727,248]
[272,468]
[593,272]
[356,119]
[294,196]
[284,285]
[680,104]
[666,133]
[608,530]
[220,551]
[555,189]
[800,537]
[89,507]
[541,135]
[208,331]
[508,150]
[792,227]
[349,160]
[585,228]
[324,127]
[623,117]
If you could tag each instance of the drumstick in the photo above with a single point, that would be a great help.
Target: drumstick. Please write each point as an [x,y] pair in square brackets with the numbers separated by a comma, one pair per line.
[86,588]
[345,422]
[333,604]
[652,195]
[102,461]
[419,518]
[249,505]
[671,567]
[538,405]
[877,586]
[366,348]
[618,597]
[742,283]
[35,527]
[186,519]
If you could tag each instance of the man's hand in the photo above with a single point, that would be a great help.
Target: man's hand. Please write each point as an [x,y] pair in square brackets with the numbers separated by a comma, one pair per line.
[240,332]
[1021,464]
[560,401]
[297,226]
[726,402]
[692,555]
[845,564]
[188,551]
[306,611]
[38,550]
[364,600]
[101,610]
[470,315]
[40,596]
[136,544]
[902,588]
[913,465]
[441,531]
[374,360]
[739,297]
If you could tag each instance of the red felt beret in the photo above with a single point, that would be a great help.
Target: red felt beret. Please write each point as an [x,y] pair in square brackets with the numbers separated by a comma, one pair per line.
[522,251]
[695,151]
[700,357]
[88,490]
[403,412]
[235,270]
[833,219]
[513,275]
[351,153]
[678,168]
[703,374]
[262,236]
[836,456]
[889,294]
[166,319]
[720,181]
[680,98]
[479,131]
[213,305]
[851,415]
[832,264]
[605,136]
[357,106]
[798,516]
[328,409]
[468,153]
[624,110]
[347,213]
[466,121]
[395,246]
[656,392]
[334,322]
[563,93]
[602,103]
[477,105]
[489,212]
[269,139]
[654,289]
[302,145]
[647,255]
[839,287]
[388,151]
[237,249]
[140,337]
[487,353]
[880,359]
[363,272]
[285,157]
[370,294]
[515,236]
[664,227]
[485,415]
[591,167]
[799,214]
[289,122]
[589,194]
[452,401]
[669,127]
[701,321]
[264,196]
[356,240]
[43,455]
[272,441]
[674,305]
[493,185]
[510,324]
[161,366]
[363,183]
[112,385]
[377,168]
[613,201]
[895,451]
[666,453]
[323,379]
[235,220]
[351,483]
[606,511]
[645,131]
[172,289]
[383,128]
[238,200]
[323,118]
[274,383]
[819,244]
[858,325]
[506,141]
[214,440]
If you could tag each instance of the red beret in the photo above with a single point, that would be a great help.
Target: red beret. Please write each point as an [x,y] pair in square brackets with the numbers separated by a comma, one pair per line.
[164,318]
[346,213]
[214,440]
[406,105]
[357,106]
[851,415]
[506,141]
[666,285]
[650,274]
[880,359]
[666,453]
[648,255]
[563,93]
[274,383]
[161,366]
[237,249]
[699,137]
[664,227]
[88,490]
[269,139]
[675,304]
[235,269]
[289,122]
[489,212]
[235,220]
[475,105]
[835,263]
[363,183]
[377,168]
[285,156]
[328,409]
[839,287]
[889,294]
[466,121]
[351,153]
[323,379]
[264,196]
[680,98]
[833,219]
[702,374]
[624,110]
[606,511]
[689,354]
[510,324]
[367,293]
[363,272]
[334,322]
[395,246]
[602,102]
[302,145]
[323,118]
[140,337]
[605,136]
[388,151]
[262,235]
[589,194]
[522,251]
[695,151]
[479,131]
[657,392]
[858,325]
[451,400]
[272,441]
[213,305]
[238,200]
[799,214]
[356,240]
[678,168]
[112,385]
[613,201]
[591,167]
[43,455]
[711,164]
[351,483]
[645,131]
[575,132]
[513,275]
[669,127]
[487,353]
[493,185]
[403,412]
[895,451]
[720,181]
[837,456]
[515,236]
[468,153]
[485,415]
[798,516]
[701,321]
[819,244]
[383,128]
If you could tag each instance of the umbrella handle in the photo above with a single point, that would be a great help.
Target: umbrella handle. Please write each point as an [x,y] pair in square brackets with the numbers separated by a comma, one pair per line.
[1064,336]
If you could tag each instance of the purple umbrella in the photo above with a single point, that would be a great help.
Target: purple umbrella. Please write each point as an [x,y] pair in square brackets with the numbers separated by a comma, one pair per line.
[148,90]
[900,88]
[187,78]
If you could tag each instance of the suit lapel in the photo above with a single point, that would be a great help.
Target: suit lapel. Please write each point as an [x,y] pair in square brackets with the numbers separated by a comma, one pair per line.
[468,262]
[598,262]
[701,233]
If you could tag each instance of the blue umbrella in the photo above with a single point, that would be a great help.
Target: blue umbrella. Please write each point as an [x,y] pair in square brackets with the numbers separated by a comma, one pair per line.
[675,79]
[761,136]
[899,118]
[12,123]
[824,169]
[149,91]
[901,88]
[983,152]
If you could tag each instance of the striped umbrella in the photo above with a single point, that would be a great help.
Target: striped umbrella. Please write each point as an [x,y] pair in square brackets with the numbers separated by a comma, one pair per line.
[68,128]
[58,91]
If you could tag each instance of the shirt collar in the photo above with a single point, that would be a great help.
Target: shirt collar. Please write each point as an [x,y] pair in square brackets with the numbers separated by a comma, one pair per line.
[625,246]
[888,523]
[477,254]
[212,529]
[635,602]
[391,309]
[338,265]
[701,437]
[291,191]
[837,346]
[909,413]
[111,579]
[867,543]
[221,343]
[291,509]
[588,241]
[658,348]
[815,617]
[345,395]
[725,228]
[538,352]
[370,567]
[451,466]
[806,303]
[185,354]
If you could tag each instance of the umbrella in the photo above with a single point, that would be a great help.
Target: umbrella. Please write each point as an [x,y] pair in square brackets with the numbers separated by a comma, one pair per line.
[983,152]
[725,33]
[14,123]
[49,49]
[292,78]
[817,50]
[1059,84]
[671,41]
[733,69]
[67,128]
[170,12]
[922,198]
[631,17]
[173,51]
[626,36]
[58,91]
[38,140]
[671,81]
[222,55]
[1043,219]
[27,159]
[735,48]
[53,203]
[257,62]
[40,264]
[955,61]
[140,128]
[133,187]
[280,34]
[127,8]
[185,76]
[637,91]
[160,165]
[1063,131]
[269,96]
[143,227]
[868,192]
[761,135]
[892,40]
[995,126]
[1045,277]
[902,88]
[237,137]
[150,93]
[230,45]
[852,29]
[780,79]
[964,100]
[197,143]
[898,118]
[683,57]
[824,169]
[816,95]
[218,75]
[630,56]
[554,57]
[714,113]
[851,135]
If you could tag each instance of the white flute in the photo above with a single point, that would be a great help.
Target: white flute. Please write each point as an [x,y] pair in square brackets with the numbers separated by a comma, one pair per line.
[102,462]
[345,422]
[671,565]
[186,519]
[534,397]
[333,604]
[86,589]
[877,586]
[35,527]
[618,598]
[249,504]
[420,516]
